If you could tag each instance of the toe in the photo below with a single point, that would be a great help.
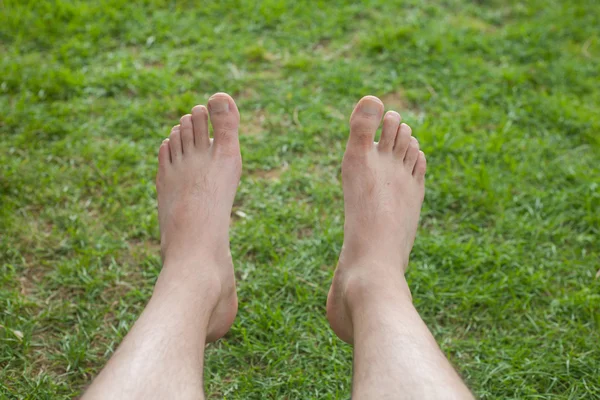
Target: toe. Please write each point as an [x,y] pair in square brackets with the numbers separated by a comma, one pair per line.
[364,122]
[402,141]
[225,120]
[200,122]
[391,122]
[411,154]
[175,143]
[164,154]
[187,133]
[420,167]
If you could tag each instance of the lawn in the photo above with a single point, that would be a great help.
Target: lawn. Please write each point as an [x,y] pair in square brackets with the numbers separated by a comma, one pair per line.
[504,97]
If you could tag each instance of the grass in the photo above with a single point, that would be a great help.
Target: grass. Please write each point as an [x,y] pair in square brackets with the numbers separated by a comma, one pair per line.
[502,95]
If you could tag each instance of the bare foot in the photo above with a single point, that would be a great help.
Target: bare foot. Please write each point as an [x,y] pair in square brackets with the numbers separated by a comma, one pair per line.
[384,186]
[196,183]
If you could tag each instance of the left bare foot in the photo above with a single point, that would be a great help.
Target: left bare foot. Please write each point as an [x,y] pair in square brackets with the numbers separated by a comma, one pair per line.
[196,184]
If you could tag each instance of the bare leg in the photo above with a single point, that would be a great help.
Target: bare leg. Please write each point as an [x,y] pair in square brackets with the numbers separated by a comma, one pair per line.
[369,303]
[194,300]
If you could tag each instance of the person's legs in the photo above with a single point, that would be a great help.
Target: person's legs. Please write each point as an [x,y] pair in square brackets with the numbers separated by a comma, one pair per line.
[369,303]
[194,300]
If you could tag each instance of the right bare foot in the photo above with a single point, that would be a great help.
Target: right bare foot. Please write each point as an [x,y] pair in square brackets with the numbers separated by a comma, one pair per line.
[196,184]
[384,186]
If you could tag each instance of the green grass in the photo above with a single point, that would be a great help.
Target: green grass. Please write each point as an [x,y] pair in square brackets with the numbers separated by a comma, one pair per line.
[502,95]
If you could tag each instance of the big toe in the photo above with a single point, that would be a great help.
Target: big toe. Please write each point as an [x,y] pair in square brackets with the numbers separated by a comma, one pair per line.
[225,119]
[364,122]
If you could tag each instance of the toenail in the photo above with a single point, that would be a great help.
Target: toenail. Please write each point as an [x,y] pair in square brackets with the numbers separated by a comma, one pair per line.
[370,106]
[199,109]
[218,104]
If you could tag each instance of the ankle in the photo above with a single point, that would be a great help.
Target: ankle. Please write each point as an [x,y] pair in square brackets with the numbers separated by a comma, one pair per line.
[183,277]
[381,257]
[367,290]
[183,253]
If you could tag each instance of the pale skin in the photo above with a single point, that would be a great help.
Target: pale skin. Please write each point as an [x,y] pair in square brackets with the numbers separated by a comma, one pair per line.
[369,303]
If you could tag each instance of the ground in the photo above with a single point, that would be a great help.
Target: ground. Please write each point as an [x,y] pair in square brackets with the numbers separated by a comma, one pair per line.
[502,95]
